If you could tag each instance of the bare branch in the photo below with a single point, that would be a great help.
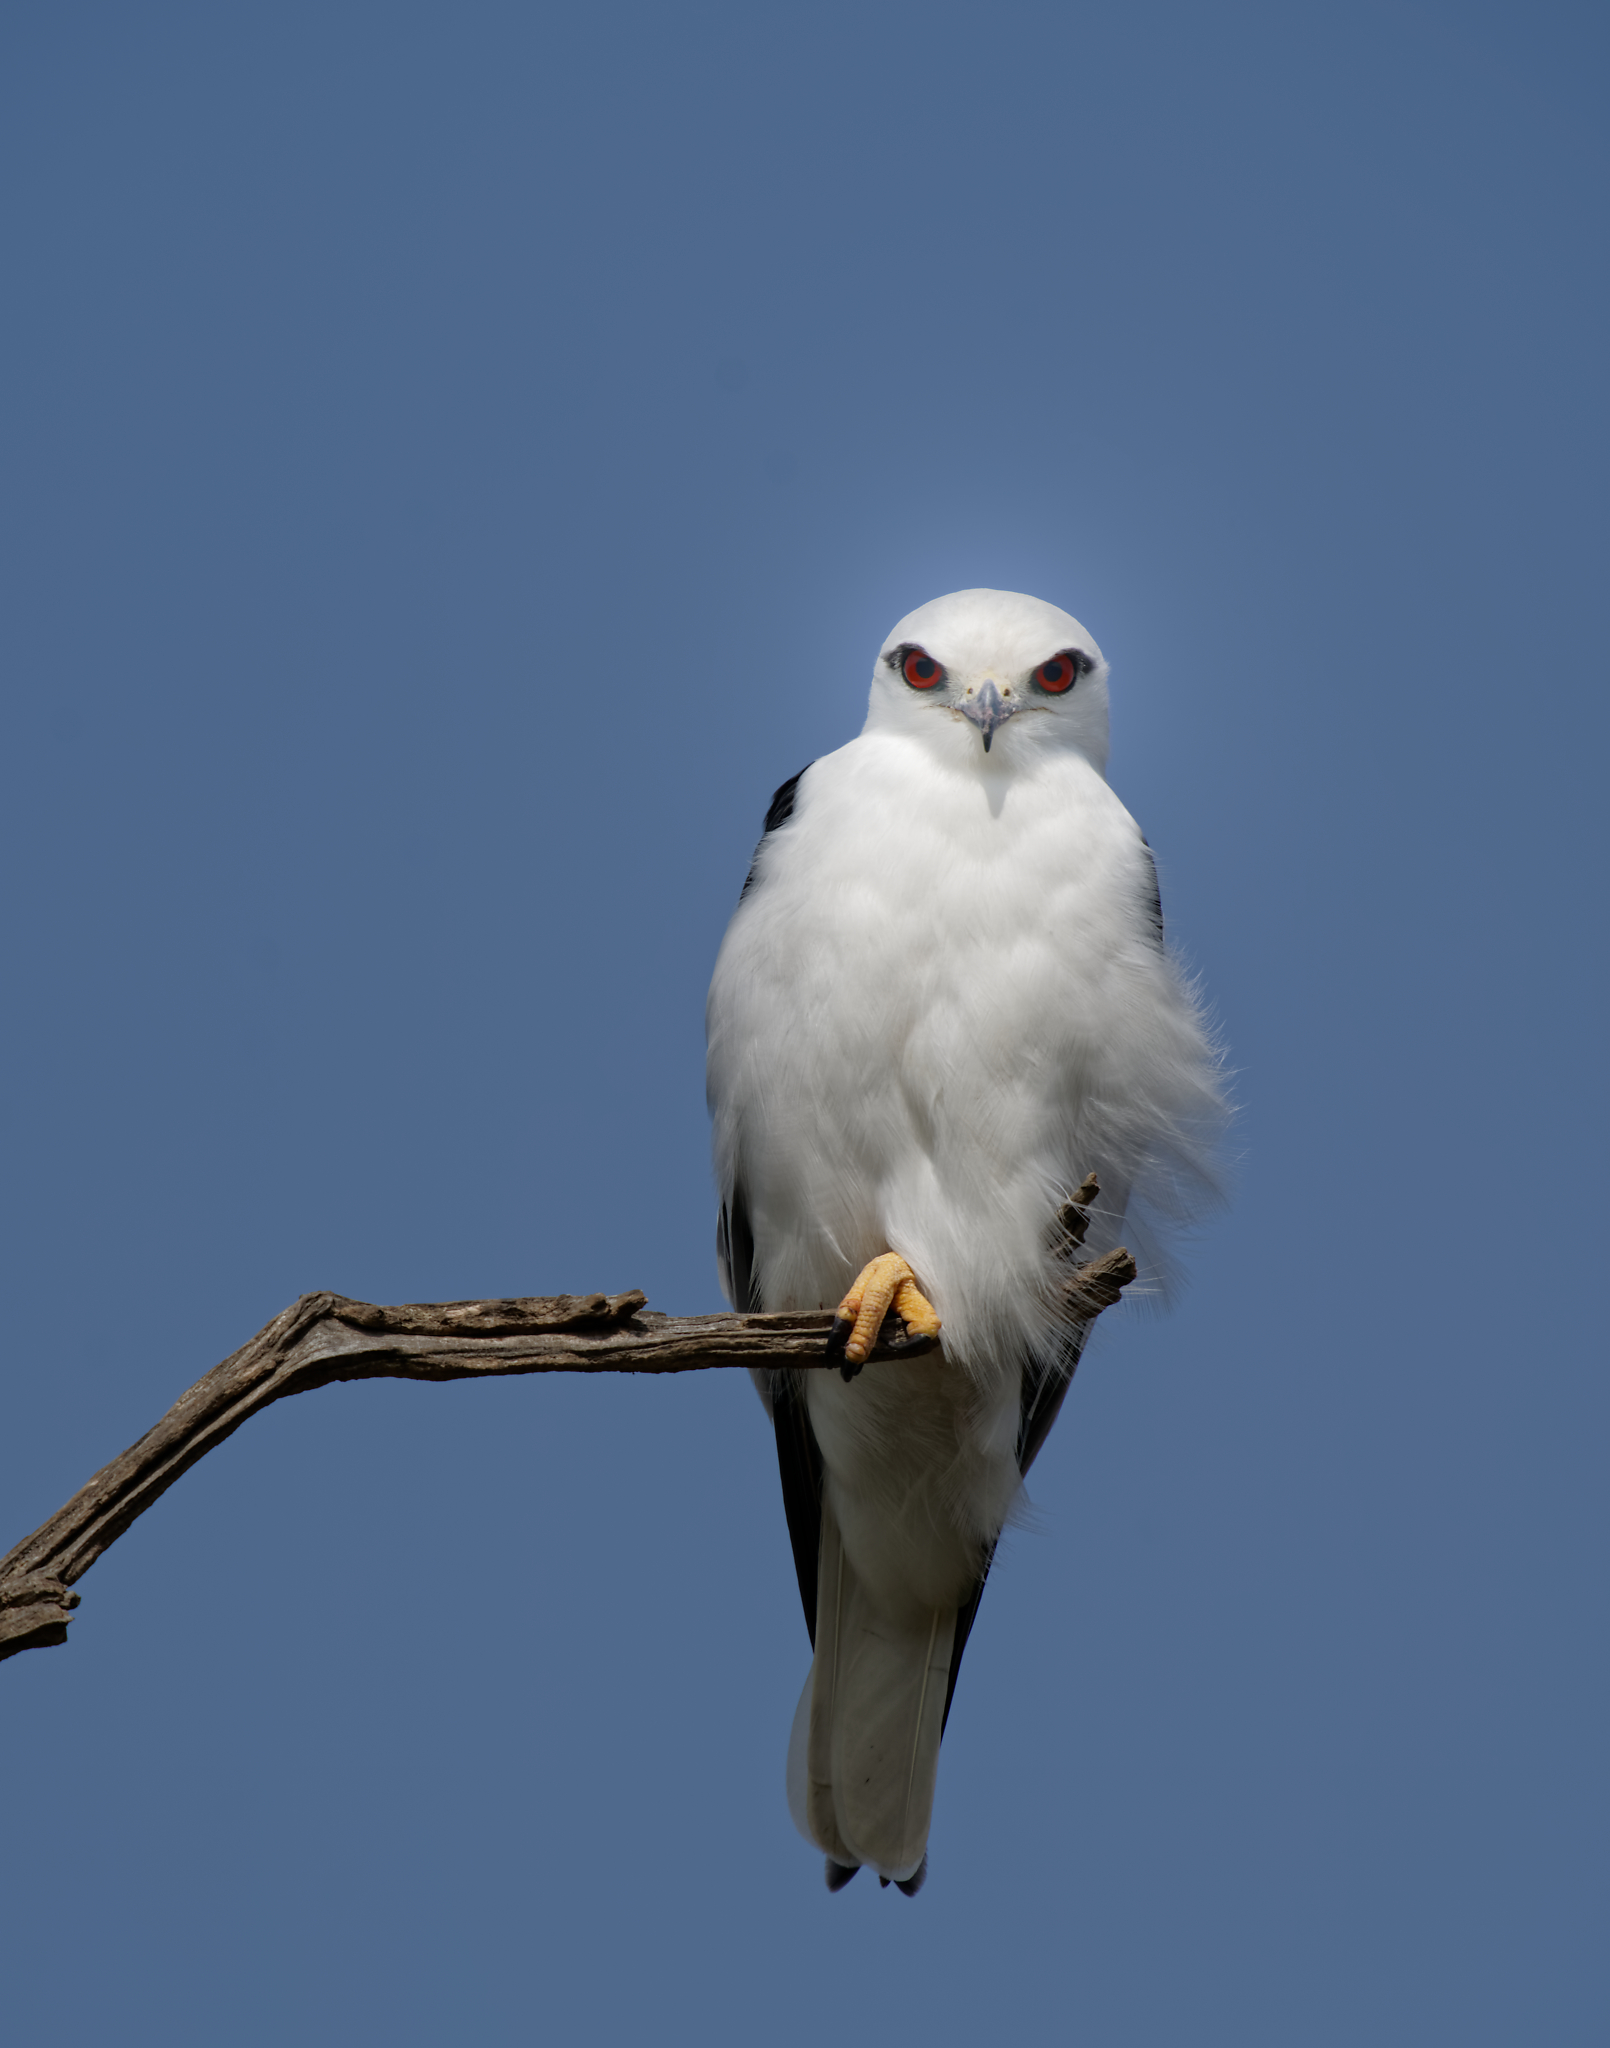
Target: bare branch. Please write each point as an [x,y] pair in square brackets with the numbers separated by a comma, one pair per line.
[1097,1285]
[326,1337]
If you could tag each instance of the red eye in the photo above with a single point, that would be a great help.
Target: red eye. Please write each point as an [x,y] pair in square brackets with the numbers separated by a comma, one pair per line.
[920,670]
[1060,673]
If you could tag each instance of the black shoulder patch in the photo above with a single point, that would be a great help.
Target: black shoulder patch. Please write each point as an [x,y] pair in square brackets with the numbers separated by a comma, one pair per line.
[781,807]
[778,813]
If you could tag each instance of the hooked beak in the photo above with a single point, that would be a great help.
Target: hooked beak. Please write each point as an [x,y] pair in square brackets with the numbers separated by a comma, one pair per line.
[988,710]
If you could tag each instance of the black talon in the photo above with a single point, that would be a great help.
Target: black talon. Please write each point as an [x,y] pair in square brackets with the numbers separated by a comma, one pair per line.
[837,1338]
[895,1340]
[908,1343]
[839,1874]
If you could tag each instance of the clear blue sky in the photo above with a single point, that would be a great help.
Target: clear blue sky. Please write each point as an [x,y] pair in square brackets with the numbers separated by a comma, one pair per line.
[457,461]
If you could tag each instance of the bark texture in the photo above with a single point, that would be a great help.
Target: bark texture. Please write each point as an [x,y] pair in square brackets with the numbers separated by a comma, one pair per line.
[326,1337]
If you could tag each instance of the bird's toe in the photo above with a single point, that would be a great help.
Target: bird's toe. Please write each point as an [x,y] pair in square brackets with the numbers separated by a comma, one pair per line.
[884,1310]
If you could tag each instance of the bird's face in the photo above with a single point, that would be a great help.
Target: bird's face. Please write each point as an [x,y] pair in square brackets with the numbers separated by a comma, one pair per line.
[989,673]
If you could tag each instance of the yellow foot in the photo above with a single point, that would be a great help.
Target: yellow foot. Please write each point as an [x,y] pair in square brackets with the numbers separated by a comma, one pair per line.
[888,1283]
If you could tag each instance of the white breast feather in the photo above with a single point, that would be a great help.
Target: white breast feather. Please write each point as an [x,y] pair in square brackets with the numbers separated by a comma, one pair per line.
[938,1009]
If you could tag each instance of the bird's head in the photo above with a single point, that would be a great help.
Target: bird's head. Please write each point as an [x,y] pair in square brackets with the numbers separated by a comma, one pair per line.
[992,673]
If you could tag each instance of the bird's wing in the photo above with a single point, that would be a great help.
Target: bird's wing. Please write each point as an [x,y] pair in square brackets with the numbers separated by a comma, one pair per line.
[1044,1387]
[735,1252]
[799,1462]
[799,1465]
[1154,900]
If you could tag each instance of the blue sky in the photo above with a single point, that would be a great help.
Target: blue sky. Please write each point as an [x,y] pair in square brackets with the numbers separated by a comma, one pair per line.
[455,463]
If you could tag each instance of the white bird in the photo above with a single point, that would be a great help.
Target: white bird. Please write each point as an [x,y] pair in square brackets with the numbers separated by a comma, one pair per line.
[942,1001]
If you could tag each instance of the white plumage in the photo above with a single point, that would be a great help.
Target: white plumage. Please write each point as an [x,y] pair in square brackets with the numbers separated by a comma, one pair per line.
[943,999]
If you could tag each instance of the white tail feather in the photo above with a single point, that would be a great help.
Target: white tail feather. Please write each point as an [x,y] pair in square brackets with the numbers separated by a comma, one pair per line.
[865,1748]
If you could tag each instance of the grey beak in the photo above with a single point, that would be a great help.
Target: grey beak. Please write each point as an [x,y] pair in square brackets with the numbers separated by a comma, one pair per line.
[989,711]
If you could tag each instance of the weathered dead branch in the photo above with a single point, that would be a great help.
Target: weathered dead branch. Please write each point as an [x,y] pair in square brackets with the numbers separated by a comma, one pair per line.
[326,1337]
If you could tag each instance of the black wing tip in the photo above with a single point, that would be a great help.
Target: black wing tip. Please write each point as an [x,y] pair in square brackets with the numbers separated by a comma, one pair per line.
[914,1883]
[839,1874]
[799,1467]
